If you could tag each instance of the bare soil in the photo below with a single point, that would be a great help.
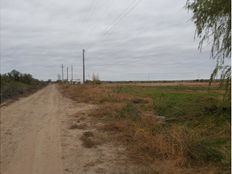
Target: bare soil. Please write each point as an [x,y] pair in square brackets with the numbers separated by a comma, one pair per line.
[46,133]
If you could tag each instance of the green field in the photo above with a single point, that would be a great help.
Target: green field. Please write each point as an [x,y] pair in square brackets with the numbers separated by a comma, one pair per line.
[201,110]
[196,131]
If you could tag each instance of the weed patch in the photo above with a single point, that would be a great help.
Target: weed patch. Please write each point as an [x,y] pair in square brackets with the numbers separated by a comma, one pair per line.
[195,129]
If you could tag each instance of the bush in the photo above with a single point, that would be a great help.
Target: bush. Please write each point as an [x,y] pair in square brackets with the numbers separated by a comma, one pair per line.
[15,83]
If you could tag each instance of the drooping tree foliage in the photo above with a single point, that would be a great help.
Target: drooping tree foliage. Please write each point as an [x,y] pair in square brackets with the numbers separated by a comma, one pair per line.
[213,25]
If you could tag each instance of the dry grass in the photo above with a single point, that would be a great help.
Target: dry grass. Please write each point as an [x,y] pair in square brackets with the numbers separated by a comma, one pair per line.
[132,122]
[88,134]
[87,140]
[90,140]
[78,126]
[99,94]
[88,94]
[143,143]
[73,126]
[146,143]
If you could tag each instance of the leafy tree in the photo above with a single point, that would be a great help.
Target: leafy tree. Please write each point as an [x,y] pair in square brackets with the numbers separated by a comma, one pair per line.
[213,25]
[26,78]
[14,75]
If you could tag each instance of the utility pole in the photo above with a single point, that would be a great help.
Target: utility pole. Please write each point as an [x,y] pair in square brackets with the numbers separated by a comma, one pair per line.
[83,66]
[71,72]
[62,66]
[67,73]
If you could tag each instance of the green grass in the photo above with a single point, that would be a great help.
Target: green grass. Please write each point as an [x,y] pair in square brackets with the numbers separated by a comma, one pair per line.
[130,111]
[201,110]
[181,101]
[196,132]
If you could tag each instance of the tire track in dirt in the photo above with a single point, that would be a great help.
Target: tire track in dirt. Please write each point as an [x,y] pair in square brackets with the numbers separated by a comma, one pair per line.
[30,140]
[47,133]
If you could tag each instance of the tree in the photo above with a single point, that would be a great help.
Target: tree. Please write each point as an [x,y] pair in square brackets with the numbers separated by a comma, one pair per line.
[213,25]
[14,75]
[26,78]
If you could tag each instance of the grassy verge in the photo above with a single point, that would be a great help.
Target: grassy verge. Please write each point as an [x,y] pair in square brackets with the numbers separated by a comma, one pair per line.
[184,127]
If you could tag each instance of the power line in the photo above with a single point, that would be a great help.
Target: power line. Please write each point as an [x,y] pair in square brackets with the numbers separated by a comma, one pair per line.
[92,7]
[92,26]
[122,15]
[117,20]
[91,11]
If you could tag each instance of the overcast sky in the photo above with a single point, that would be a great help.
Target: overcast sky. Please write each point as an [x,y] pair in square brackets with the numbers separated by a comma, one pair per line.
[124,40]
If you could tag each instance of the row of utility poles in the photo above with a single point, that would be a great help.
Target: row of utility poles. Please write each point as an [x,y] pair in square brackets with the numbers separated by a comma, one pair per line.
[62,77]
[62,71]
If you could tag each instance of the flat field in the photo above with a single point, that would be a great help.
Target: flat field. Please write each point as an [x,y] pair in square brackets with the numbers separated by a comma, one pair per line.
[171,127]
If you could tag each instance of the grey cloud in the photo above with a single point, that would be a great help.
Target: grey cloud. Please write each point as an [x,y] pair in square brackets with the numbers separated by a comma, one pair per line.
[154,41]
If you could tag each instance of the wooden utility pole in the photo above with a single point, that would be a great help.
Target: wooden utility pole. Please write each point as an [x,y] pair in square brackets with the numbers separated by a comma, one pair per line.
[83,66]
[62,66]
[71,72]
[67,73]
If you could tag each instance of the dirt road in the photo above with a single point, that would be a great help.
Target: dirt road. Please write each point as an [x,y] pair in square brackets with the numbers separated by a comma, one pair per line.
[37,137]
[30,134]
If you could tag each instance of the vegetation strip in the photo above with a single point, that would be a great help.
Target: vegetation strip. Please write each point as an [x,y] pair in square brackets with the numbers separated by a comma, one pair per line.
[189,126]
[15,84]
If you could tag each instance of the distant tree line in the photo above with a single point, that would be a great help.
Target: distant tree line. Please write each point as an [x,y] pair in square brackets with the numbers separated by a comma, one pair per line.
[14,84]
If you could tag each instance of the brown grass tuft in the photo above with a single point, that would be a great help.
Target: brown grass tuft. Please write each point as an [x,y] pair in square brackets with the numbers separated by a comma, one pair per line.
[89,140]
[88,134]
[78,126]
